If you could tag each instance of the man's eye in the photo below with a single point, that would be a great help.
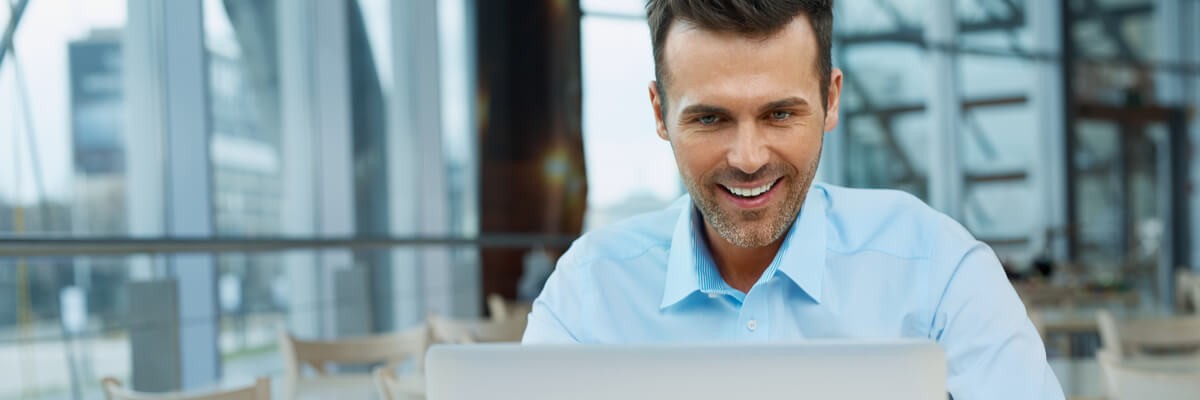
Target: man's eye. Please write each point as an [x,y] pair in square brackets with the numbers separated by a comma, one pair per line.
[708,119]
[781,115]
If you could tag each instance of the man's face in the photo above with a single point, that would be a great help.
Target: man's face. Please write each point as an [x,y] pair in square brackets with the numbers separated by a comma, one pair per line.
[745,121]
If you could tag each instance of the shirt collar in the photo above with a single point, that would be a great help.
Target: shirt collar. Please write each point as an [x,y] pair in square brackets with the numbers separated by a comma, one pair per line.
[801,258]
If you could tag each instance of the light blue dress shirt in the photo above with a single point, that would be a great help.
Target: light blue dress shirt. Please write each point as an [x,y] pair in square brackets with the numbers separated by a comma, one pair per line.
[868,264]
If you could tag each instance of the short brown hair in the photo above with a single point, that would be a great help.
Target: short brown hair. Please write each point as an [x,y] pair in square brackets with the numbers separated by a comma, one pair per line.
[754,18]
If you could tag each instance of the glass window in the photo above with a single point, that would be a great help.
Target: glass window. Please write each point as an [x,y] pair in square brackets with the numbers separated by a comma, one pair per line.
[884,89]
[630,169]
[901,18]
[882,152]
[244,117]
[993,25]
[247,160]
[63,172]
[1116,184]
[632,8]
[62,325]
[458,128]
[61,107]
[998,128]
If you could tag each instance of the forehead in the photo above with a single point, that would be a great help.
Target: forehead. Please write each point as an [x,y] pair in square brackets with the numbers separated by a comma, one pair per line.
[697,58]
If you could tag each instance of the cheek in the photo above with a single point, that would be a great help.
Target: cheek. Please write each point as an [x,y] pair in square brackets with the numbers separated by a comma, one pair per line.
[697,158]
[799,148]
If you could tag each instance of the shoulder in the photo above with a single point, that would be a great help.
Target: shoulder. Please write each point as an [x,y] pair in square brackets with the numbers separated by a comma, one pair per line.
[625,240]
[891,222]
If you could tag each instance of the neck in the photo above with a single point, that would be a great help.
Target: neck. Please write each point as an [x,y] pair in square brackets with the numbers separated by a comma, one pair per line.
[741,267]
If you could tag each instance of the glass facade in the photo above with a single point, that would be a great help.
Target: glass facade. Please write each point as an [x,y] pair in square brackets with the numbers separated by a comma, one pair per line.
[884,49]
[365,129]
[64,143]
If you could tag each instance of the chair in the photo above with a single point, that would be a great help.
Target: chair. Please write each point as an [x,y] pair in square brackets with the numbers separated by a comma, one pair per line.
[502,309]
[391,349]
[1153,336]
[261,390]
[392,387]
[1127,382]
[1196,296]
[458,331]
[1046,296]
[1186,284]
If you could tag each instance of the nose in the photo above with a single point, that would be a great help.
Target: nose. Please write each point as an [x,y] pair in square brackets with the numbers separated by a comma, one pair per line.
[749,152]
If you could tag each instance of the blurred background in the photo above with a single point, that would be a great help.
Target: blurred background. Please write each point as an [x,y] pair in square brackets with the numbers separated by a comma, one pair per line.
[181,181]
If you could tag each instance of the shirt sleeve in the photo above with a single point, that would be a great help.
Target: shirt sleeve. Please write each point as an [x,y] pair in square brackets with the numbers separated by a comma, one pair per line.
[992,349]
[558,311]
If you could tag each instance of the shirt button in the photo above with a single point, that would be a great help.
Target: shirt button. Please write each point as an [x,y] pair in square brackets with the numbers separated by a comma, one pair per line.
[713,295]
[752,325]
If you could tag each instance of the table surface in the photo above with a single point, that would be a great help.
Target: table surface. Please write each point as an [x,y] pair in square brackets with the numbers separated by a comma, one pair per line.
[353,386]
[1083,319]
[1188,364]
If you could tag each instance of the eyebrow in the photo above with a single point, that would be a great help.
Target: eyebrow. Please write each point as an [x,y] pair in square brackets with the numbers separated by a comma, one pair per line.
[784,103]
[704,109]
[711,109]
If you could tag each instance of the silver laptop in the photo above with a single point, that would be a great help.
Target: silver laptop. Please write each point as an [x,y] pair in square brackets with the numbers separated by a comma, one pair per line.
[898,370]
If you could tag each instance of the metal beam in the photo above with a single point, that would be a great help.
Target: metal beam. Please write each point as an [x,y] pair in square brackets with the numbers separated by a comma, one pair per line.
[1117,12]
[944,113]
[57,247]
[885,121]
[1066,23]
[920,107]
[912,35]
[996,177]
[1112,27]
[189,188]
[1003,241]
[6,42]
[975,178]
[1048,166]
[915,36]
[1143,114]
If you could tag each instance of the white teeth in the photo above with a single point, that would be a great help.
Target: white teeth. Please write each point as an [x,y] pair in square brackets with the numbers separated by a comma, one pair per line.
[751,192]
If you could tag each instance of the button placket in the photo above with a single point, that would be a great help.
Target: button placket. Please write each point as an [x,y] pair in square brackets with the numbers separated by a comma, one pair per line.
[753,316]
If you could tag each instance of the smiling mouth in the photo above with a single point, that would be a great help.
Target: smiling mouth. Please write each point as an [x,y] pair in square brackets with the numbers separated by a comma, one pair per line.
[750,193]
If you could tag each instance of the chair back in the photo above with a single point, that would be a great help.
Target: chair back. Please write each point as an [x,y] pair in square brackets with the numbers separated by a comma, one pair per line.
[392,388]
[390,349]
[1126,382]
[1159,335]
[461,331]
[502,309]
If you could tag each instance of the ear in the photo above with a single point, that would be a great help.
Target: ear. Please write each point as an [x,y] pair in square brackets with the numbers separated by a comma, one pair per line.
[656,104]
[835,99]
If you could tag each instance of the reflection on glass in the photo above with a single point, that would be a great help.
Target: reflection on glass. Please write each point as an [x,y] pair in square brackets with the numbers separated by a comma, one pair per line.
[877,46]
[1117,198]
[903,17]
[993,25]
[62,172]
[61,128]
[882,159]
[247,163]
[62,325]
[244,108]
[998,128]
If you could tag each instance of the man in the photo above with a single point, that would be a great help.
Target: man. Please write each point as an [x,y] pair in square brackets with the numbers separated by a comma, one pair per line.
[745,92]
